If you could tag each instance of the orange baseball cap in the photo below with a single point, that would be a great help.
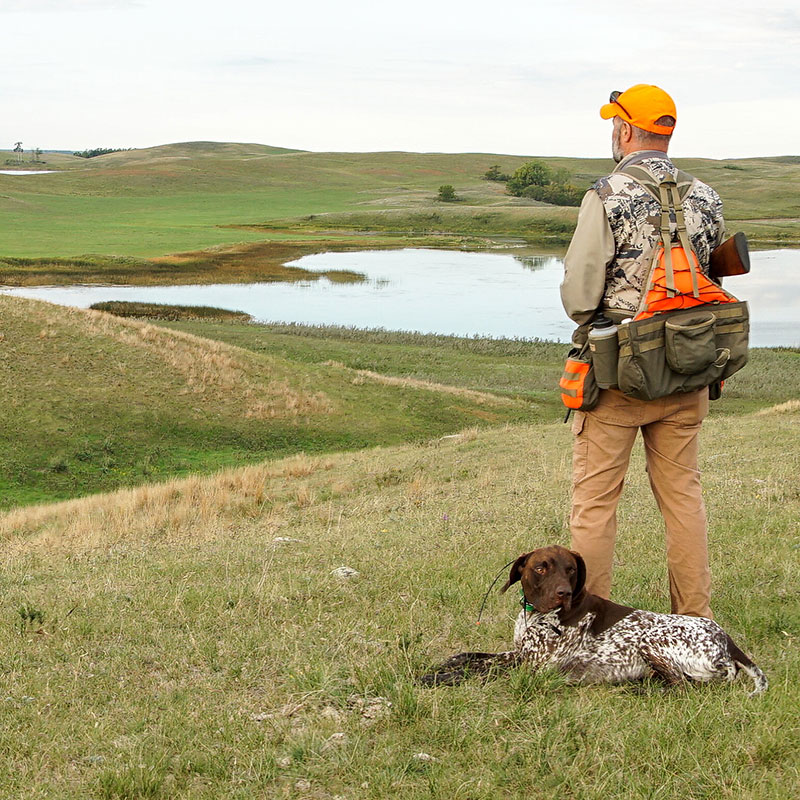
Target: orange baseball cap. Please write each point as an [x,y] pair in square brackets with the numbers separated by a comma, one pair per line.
[641,105]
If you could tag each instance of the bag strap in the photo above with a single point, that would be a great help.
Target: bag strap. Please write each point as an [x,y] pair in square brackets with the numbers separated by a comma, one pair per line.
[683,237]
[669,193]
[665,198]
[649,182]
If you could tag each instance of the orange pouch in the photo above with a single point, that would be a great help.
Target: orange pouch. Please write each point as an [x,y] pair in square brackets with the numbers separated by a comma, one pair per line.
[579,390]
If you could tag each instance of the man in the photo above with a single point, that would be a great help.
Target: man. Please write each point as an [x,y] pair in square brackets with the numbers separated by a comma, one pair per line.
[606,270]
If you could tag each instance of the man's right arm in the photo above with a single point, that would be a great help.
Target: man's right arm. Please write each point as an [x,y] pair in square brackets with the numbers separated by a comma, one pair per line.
[592,249]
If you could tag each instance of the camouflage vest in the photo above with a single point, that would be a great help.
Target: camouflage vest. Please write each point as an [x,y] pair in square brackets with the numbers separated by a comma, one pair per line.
[635,216]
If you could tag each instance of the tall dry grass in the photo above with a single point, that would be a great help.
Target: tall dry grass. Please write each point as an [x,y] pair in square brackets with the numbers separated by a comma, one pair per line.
[196,508]
[209,366]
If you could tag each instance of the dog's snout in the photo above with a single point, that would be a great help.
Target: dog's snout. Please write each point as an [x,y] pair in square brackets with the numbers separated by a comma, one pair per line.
[564,591]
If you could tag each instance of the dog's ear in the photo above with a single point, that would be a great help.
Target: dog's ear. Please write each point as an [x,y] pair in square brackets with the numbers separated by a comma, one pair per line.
[516,571]
[580,577]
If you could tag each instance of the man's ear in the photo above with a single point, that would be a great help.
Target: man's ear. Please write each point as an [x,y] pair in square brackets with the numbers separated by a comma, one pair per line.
[516,571]
[580,575]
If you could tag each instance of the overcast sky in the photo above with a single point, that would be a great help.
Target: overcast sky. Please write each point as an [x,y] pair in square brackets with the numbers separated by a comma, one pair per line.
[523,77]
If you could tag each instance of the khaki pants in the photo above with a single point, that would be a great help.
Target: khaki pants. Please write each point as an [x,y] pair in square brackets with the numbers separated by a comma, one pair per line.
[604,438]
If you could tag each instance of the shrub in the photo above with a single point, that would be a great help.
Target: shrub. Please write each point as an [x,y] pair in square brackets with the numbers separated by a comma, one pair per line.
[532,173]
[555,194]
[494,174]
[447,194]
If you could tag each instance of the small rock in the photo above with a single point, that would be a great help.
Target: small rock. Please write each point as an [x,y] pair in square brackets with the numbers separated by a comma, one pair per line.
[345,572]
[284,762]
[336,740]
[302,785]
[261,716]
[426,758]
[331,712]
[372,708]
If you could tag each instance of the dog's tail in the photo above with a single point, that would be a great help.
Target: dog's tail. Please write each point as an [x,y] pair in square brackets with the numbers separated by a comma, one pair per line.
[461,666]
[746,664]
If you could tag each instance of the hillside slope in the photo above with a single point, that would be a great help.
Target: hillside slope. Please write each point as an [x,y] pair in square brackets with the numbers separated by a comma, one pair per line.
[180,197]
[92,402]
[192,640]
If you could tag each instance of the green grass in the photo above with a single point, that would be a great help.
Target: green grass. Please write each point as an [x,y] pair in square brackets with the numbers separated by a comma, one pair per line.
[517,368]
[90,407]
[188,655]
[514,368]
[194,196]
[92,404]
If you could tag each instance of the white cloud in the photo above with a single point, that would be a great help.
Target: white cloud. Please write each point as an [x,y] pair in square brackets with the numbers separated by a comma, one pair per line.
[62,6]
[514,76]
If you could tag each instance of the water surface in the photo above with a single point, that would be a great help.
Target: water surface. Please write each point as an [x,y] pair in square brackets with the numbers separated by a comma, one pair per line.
[445,291]
[27,171]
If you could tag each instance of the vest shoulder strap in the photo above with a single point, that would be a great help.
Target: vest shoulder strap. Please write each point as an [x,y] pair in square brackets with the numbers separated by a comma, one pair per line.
[643,176]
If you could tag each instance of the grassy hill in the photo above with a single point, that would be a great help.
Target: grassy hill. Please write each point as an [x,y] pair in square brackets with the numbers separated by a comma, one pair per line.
[93,402]
[189,640]
[176,629]
[142,204]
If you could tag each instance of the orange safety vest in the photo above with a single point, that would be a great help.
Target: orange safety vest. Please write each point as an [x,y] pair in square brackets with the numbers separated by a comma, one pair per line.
[676,280]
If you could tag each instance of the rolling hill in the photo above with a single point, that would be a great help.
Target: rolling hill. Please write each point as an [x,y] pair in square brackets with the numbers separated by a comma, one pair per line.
[93,402]
[192,196]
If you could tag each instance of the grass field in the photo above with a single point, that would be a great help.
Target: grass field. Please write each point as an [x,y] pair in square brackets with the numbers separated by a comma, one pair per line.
[93,402]
[175,627]
[126,210]
[190,640]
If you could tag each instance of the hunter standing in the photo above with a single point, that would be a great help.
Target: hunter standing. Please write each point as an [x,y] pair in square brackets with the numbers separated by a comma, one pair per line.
[606,268]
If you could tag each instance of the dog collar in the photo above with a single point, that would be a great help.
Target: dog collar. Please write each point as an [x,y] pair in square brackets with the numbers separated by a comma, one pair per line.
[529,609]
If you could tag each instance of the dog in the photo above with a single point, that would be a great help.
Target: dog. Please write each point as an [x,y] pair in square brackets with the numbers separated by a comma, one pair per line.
[592,640]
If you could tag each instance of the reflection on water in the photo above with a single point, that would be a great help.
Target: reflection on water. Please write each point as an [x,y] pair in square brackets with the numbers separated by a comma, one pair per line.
[445,291]
[534,263]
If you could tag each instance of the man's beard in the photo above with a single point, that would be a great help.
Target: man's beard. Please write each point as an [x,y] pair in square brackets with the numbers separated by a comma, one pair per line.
[616,150]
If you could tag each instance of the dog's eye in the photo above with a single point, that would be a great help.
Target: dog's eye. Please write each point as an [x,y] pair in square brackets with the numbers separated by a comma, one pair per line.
[570,569]
[541,569]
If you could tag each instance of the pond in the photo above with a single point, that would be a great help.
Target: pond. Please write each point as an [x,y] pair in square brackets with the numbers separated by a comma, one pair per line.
[444,291]
[27,171]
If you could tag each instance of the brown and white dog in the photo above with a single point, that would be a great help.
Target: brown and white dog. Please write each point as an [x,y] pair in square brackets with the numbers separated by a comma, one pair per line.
[592,640]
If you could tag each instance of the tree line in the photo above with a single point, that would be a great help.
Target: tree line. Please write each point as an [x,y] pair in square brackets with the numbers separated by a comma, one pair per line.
[537,181]
[99,151]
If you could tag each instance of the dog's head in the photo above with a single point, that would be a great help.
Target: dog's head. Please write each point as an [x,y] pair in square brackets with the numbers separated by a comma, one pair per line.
[552,577]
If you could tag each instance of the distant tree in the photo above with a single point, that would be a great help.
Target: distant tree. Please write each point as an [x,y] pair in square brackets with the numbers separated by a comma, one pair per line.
[36,153]
[555,194]
[18,151]
[99,151]
[494,174]
[447,194]
[532,173]
[561,177]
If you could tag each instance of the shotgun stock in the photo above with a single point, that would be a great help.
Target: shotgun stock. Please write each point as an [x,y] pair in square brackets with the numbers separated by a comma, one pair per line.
[732,257]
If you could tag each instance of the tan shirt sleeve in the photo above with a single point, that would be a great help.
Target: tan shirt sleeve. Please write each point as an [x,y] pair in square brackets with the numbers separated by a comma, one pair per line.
[590,252]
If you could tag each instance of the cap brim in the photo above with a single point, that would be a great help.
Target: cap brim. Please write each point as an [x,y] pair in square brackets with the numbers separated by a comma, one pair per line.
[610,110]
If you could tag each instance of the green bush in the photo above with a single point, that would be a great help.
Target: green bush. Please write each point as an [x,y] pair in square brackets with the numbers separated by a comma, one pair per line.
[447,193]
[531,173]
[555,194]
[494,174]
